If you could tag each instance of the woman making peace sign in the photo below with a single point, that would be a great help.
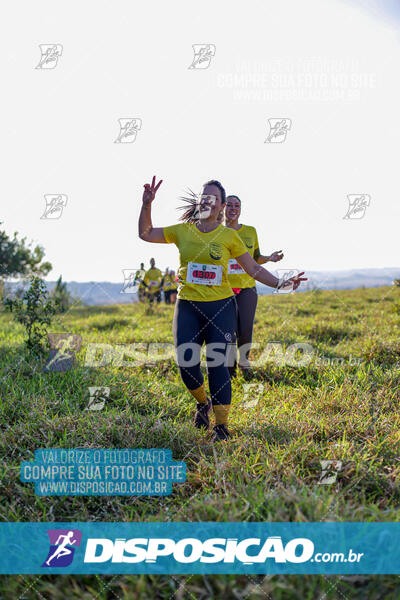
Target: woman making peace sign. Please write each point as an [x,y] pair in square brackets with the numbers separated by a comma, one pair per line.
[205,311]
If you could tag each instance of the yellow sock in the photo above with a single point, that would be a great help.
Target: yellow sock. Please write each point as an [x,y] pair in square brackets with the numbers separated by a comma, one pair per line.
[200,394]
[221,412]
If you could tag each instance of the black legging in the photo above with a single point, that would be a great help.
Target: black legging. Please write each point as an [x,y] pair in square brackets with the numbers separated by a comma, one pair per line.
[212,322]
[246,302]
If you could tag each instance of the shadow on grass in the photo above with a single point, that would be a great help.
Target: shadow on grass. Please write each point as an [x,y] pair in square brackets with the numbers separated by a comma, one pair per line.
[289,376]
[87,311]
[112,324]
[266,432]
[18,359]
[329,334]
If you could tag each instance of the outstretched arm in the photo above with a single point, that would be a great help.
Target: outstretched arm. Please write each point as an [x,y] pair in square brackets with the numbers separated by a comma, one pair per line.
[147,232]
[263,276]
[261,259]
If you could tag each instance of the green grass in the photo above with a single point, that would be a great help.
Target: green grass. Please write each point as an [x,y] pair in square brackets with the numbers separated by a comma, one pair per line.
[327,410]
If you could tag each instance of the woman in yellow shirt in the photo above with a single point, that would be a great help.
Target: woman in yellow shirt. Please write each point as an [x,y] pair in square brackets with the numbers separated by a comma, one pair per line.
[242,284]
[205,311]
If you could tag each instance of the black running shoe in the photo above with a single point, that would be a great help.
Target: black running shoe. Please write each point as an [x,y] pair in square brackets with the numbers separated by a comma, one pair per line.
[201,418]
[220,433]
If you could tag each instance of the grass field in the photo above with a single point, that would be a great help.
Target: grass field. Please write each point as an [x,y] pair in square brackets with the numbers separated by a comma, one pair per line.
[331,409]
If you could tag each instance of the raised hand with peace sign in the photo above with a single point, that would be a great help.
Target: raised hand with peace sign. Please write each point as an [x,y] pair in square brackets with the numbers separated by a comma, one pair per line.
[147,232]
[150,191]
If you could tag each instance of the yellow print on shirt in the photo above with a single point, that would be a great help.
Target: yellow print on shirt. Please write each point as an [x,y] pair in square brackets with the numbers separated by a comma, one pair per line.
[215,251]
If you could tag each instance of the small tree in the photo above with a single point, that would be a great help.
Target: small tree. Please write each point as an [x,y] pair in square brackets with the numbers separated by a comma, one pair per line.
[18,259]
[61,296]
[34,310]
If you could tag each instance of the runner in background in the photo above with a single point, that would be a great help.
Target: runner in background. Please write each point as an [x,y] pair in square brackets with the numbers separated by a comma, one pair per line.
[152,280]
[243,285]
[166,286]
[140,272]
[205,311]
[174,286]
[139,276]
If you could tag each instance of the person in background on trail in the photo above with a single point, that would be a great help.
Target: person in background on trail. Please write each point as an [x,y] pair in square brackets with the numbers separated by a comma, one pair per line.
[139,276]
[152,280]
[166,286]
[174,286]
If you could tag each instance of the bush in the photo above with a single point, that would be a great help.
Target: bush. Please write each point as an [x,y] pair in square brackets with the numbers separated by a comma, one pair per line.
[34,310]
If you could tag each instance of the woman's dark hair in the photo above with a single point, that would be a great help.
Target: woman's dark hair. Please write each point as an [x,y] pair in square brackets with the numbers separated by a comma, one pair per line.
[233,196]
[221,188]
[191,214]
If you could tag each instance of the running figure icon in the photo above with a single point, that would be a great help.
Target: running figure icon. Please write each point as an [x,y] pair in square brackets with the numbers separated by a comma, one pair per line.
[62,549]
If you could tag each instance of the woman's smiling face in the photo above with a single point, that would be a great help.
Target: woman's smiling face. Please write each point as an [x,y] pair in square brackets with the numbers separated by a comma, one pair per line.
[210,201]
[233,208]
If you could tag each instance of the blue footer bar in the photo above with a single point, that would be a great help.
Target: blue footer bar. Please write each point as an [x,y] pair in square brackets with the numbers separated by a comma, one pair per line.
[179,548]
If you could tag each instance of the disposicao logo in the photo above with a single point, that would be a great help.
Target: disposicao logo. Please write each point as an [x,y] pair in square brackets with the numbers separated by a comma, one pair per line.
[190,550]
[62,547]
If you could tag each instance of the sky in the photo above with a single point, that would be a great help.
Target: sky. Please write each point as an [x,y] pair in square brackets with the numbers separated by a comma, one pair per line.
[328,70]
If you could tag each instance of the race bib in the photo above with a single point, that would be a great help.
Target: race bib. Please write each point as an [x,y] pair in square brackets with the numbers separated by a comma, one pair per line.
[204,274]
[153,283]
[234,268]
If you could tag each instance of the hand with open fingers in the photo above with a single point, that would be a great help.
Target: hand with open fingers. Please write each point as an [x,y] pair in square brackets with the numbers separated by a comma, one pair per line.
[150,191]
[276,256]
[294,282]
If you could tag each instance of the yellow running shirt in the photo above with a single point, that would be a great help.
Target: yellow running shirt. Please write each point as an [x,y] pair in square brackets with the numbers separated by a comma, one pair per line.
[236,276]
[153,279]
[203,260]
[172,283]
[140,273]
